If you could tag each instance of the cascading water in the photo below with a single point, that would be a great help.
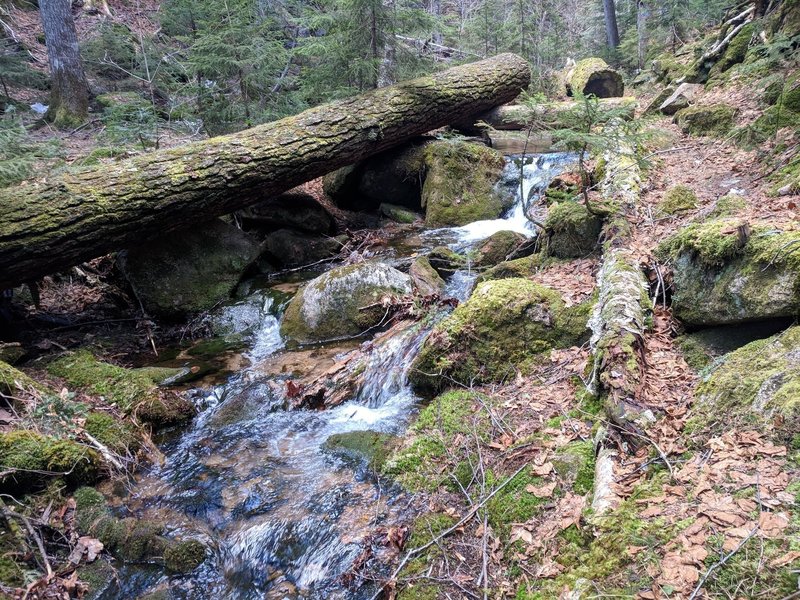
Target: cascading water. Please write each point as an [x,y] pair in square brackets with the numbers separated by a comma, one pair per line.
[282,518]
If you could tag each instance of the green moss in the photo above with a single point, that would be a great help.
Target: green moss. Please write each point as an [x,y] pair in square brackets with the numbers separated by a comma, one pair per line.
[593,76]
[519,267]
[678,199]
[109,430]
[425,527]
[736,50]
[513,503]
[496,248]
[572,230]
[185,556]
[728,205]
[756,386]
[11,574]
[575,464]
[372,447]
[694,353]
[99,576]
[12,381]
[445,261]
[398,214]
[30,459]
[417,466]
[712,119]
[460,183]
[713,241]
[501,328]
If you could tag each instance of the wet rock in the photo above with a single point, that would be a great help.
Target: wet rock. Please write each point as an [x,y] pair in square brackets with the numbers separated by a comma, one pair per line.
[398,214]
[497,248]
[500,329]
[185,556]
[661,97]
[242,317]
[728,272]
[754,387]
[100,577]
[346,301]
[712,119]
[572,230]
[341,186]
[461,184]
[426,280]
[294,209]
[678,199]
[288,248]
[189,271]
[518,267]
[682,97]
[371,447]
[445,261]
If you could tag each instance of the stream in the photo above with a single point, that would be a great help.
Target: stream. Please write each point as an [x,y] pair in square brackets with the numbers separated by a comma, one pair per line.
[281,517]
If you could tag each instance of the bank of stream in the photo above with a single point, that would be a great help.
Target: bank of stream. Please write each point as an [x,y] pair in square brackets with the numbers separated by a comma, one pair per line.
[280,515]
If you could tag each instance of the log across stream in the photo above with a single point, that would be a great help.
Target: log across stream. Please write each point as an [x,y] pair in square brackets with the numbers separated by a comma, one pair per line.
[281,517]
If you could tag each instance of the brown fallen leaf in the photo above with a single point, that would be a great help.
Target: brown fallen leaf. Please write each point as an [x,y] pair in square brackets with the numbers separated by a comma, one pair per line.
[786,559]
[541,491]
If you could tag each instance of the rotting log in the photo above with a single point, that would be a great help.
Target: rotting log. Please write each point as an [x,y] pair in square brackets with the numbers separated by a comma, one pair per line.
[61,221]
[592,76]
[514,117]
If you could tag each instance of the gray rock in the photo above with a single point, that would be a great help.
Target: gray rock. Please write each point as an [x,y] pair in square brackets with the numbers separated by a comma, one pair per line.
[289,248]
[682,97]
[294,209]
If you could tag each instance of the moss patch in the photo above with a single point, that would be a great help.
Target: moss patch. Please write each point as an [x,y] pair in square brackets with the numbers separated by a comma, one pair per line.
[573,231]
[501,328]
[371,447]
[185,556]
[713,119]
[678,199]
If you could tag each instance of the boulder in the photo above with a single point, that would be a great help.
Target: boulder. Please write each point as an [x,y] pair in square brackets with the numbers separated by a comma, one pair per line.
[500,329]
[726,272]
[682,97]
[426,280]
[678,199]
[592,76]
[294,209]
[712,119]
[287,248]
[497,248]
[655,104]
[461,183]
[754,387]
[518,267]
[573,231]
[190,270]
[344,302]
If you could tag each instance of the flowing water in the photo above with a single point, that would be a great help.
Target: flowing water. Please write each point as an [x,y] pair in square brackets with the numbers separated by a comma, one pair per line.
[281,517]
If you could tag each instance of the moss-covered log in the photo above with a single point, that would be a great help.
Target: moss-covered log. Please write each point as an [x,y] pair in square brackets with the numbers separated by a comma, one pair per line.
[592,76]
[61,221]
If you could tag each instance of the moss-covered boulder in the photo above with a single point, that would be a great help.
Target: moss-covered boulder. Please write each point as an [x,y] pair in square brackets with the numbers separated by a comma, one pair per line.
[729,205]
[736,50]
[497,248]
[572,230]
[371,447]
[29,459]
[185,556]
[501,328]
[190,270]
[593,76]
[756,386]
[100,578]
[132,390]
[398,214]
[711,119]
[461,183]
[519,267]
[446,261]
[727,272]
[294,209]
[426,280]
[653,106]
[678,199]
[288,248]
[344,302]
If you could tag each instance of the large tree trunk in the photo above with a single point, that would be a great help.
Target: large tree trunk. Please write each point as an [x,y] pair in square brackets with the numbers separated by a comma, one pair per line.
[612,32]
[69,91]
[514,117]
[62,221]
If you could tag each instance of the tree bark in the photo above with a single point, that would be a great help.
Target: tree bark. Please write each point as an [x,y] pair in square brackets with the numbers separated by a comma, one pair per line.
[612,32]
[69,91]
[641,33]
[64,220]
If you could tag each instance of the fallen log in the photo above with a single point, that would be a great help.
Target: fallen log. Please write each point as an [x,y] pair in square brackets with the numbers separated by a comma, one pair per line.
[593,76]
[61,221]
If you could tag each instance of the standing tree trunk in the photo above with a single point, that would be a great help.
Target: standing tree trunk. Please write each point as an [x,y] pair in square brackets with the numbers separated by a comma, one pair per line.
[69,92]
[612,32]
[66,219]
[641,32]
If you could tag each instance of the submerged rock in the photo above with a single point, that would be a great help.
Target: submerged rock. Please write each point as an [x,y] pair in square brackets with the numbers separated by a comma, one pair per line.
[189,271]
[445,261]
[293,209]
[371,447]
[461,185]
[724,273]
[398,214]
[497,248]
[573,231]
[503,326]
[756,386]
[344,302]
